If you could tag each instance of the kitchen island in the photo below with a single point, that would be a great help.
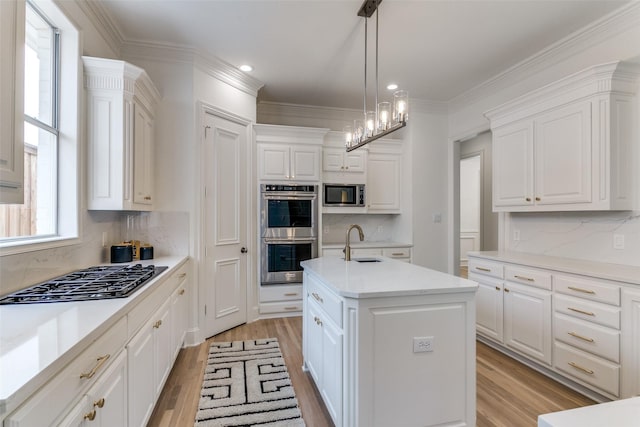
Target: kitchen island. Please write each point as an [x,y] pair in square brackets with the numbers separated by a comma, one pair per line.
[390,343]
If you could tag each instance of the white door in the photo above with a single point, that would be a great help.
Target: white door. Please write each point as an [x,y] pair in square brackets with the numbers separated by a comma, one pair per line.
[225,224]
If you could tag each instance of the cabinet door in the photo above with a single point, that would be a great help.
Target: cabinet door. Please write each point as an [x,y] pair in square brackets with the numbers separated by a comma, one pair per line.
[354,161]
[331,390]
[383,183]
[12,17]
[179,312]
[142,156]
[333,159]
[489,307]
[630,344]
[527,320]
[563,156]
[162,346]
[305,163]
[313,356]
[141,375]
[273,162]
[513,165]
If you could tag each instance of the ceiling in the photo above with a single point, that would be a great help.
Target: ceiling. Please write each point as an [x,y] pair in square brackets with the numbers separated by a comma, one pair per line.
[311,52]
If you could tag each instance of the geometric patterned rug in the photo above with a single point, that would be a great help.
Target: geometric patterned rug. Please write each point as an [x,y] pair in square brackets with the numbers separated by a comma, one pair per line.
[246,384]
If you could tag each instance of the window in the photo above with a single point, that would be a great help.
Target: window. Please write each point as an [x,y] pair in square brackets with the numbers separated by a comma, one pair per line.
[51,88]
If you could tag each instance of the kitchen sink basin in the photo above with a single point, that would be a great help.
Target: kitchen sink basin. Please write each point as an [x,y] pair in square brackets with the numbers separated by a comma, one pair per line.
[367,259]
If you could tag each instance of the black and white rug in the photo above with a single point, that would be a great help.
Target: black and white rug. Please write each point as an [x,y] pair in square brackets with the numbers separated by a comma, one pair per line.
[246,384]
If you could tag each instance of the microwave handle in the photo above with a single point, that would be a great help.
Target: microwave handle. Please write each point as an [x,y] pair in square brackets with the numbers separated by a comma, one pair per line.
[290,240]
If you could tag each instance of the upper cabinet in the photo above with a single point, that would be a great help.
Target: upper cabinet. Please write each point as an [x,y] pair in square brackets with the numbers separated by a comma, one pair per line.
[384,179]
[288,153]
[569,145]
[12,18]
[340,166]
[121,102]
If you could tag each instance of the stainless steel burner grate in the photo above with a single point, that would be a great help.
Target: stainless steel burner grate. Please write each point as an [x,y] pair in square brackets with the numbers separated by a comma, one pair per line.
[93,283]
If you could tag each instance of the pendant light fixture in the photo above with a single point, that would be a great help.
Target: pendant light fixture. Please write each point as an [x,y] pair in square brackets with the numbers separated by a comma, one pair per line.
[387,117]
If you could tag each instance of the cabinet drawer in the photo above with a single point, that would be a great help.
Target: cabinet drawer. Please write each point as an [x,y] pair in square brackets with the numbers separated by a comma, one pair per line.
[488,268]
[588,288]
[595,339]
[528,276]
[281,307]
[590,369]
[56,396]
[272,293]
[397,252]
[592,311]
[330,303]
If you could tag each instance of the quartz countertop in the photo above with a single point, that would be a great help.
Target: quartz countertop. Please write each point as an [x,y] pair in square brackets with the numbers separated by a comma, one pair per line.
[37,340]
[618,272]
[619,413]
[388,278]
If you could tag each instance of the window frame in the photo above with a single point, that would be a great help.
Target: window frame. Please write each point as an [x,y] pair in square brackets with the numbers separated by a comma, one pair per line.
[67,119]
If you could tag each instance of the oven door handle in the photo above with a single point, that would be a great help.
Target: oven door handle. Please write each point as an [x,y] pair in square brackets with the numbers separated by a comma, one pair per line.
[271,196]
[290,240]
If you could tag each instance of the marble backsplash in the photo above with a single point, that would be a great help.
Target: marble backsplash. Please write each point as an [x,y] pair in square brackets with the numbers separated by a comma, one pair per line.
[582,235]
[168,232]
[377,228]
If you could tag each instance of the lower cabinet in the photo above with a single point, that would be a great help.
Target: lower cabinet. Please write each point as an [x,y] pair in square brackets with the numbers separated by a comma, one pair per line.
[631,343]
[105,404]
[117,379]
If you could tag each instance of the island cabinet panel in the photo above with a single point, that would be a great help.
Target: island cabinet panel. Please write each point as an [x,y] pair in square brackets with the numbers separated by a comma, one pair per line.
[367,363]
[631,343]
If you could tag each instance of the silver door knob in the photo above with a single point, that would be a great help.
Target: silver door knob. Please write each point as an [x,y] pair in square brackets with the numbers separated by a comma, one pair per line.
[243,250]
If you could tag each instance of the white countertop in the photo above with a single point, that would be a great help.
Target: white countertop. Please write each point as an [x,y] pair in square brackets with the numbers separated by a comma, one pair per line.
[365,244]
[619,413]
[618,272]
[37,340]
[387,278]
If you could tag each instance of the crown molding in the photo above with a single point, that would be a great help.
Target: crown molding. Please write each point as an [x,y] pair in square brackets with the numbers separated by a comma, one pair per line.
[104,23]
[301,111]
[625,18]
[211,65]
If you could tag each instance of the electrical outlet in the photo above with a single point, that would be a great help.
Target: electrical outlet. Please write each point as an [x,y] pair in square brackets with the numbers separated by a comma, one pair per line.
[618,241]
[422,344]
[516,235]
[437,218]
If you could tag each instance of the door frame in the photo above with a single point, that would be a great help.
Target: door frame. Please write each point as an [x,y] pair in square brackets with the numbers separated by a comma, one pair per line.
[480,154]
[204,109]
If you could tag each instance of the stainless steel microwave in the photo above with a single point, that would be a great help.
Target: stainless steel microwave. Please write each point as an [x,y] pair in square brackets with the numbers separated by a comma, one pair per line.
[344,195]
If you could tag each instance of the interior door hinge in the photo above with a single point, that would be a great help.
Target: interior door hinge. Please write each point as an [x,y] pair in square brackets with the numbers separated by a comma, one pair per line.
[205,309]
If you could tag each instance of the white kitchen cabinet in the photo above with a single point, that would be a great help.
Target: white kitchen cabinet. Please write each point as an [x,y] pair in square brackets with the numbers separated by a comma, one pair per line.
[384,182]
[12,34]
[630,343]
[179,312]
[280,300]
[489,307]
[527,321]
[149,356]
[288,153]
[561,148]
[339,160]
[105,404]
[121,102]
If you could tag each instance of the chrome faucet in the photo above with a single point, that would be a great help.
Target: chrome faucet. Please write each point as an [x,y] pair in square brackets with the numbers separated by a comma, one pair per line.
[347,248]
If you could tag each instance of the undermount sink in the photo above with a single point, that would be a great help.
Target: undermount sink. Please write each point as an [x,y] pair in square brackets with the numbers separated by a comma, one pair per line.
[366,259]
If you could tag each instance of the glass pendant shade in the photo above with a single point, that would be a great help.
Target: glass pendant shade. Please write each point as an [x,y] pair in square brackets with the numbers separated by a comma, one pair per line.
[348,135]
[400,106]
[370,123]
[358,131]
[384,116]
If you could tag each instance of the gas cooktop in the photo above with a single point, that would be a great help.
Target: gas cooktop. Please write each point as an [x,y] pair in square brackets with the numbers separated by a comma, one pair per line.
[93,283]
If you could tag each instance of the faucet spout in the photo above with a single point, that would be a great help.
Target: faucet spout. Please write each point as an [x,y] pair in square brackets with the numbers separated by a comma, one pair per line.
[347,247]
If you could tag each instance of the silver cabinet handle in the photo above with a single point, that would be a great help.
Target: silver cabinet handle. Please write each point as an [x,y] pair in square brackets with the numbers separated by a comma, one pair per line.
[528,279]
[584,291]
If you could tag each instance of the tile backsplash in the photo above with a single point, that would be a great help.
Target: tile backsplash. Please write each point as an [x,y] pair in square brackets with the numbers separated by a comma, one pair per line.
[377,228]
[582,235]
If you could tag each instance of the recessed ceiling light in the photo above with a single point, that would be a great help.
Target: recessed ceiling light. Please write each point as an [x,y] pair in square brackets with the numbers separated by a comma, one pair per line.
[246,68]
[392,86]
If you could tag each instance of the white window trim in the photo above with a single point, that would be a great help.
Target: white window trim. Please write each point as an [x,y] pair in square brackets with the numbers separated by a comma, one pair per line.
[69,146]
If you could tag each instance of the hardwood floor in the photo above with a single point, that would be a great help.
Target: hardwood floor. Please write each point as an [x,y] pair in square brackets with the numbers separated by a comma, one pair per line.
[509,393]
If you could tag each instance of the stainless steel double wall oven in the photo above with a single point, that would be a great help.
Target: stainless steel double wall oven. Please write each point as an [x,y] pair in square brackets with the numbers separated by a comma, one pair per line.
[289,230]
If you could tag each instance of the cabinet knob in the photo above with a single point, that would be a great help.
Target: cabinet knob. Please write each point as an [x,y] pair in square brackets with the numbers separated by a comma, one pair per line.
[497,288]
[99,403]
[537,199]
[506,290]
[346,167]
[528,199]
[243,250]
[147,197]
[181,292]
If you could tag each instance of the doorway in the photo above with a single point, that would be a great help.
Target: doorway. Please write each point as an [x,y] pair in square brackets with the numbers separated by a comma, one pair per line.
[478,230]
